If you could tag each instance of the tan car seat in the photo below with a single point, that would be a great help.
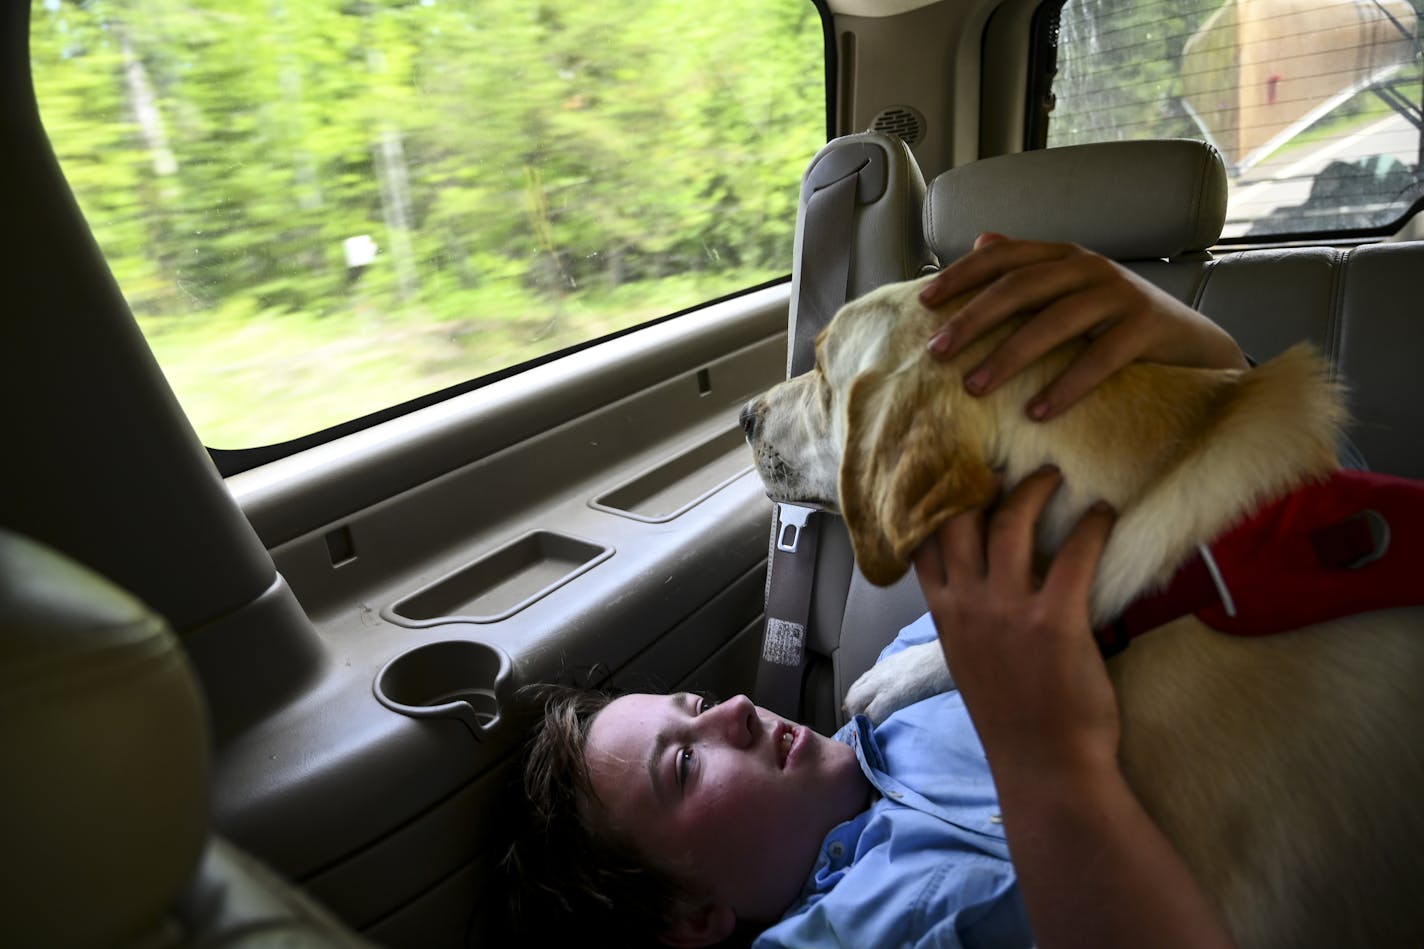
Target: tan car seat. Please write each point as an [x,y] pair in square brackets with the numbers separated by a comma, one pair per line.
[105,798]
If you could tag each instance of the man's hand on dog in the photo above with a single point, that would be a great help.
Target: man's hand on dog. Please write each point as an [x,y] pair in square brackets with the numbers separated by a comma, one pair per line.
[1023,655]
[1073,292]
[1021,649]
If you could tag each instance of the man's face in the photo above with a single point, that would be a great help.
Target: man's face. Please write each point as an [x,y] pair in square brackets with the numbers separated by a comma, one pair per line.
[731,800]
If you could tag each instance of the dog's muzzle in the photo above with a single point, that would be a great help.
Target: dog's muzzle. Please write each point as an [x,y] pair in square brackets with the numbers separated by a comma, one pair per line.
[748,419]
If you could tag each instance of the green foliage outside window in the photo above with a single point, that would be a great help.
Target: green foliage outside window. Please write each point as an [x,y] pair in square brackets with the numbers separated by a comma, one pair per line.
[529,175]
[1119,63]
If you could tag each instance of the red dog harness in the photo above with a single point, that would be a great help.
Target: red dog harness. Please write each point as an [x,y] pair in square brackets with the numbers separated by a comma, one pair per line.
[1349,544]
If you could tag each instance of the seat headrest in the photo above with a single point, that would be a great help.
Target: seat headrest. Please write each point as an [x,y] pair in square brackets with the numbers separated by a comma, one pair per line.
[1136,200]
[105,801]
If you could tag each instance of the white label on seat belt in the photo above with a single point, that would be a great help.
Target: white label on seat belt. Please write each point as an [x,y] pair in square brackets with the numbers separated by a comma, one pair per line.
[784,643]
[792,518]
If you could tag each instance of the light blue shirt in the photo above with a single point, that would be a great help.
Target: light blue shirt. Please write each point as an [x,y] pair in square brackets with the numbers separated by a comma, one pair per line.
[926,864]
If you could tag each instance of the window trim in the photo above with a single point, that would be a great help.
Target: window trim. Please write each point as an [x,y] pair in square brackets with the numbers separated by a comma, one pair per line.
[233,461]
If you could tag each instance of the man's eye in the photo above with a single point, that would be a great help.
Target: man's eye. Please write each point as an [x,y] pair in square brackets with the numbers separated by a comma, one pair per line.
[684,764]
[704,704]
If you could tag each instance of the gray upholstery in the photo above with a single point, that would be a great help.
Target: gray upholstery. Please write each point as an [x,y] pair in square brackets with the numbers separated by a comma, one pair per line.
[888,245]
[1376,339]
[1158,207]
[889,241]
[105,800]
[1357,304]
[1125,200]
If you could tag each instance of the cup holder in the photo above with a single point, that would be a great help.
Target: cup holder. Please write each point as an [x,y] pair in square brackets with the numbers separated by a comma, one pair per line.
[453,679]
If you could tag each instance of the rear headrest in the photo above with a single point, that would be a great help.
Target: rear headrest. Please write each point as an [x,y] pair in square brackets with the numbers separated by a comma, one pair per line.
[1126,200]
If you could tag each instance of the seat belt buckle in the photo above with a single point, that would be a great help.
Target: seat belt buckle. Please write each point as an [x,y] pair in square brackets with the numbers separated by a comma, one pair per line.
[791,520]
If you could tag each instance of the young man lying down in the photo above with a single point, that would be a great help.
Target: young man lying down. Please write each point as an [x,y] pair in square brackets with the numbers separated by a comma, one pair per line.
[671,819]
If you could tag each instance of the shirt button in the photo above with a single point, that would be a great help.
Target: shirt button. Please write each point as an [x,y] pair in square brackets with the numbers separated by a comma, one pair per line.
[996,818]
[836,850]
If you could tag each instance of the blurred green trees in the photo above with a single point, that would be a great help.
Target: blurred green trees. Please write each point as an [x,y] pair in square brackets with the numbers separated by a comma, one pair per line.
[531,172]
[1119,65]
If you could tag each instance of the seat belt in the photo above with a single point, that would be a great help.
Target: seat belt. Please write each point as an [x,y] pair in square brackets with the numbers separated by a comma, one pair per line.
[842,179]
[790,576]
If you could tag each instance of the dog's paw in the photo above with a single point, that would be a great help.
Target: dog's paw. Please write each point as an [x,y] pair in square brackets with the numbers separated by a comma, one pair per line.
[900,680]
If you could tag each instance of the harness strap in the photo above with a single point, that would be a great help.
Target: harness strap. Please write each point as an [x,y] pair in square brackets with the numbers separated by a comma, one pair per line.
[1351,543]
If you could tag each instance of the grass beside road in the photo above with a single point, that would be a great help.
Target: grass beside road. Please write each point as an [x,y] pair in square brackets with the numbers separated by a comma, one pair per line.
[247,377]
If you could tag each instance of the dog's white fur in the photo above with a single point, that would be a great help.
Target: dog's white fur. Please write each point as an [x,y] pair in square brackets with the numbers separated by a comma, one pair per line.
[1287,769]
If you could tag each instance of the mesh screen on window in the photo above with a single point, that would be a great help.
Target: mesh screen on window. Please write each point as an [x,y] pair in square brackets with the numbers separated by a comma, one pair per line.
[1313,104]
[318,209]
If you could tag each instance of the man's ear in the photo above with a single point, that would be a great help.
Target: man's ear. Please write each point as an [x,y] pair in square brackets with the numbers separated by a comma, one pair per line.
[912,461]
[692,925]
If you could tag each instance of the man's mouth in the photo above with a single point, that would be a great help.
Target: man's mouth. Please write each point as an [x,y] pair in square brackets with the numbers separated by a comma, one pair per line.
[786,739]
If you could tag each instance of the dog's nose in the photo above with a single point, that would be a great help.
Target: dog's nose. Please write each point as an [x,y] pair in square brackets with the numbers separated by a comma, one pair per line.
[748,419]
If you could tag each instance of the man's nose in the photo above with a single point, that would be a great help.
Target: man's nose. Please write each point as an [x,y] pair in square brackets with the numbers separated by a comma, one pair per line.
[735,721]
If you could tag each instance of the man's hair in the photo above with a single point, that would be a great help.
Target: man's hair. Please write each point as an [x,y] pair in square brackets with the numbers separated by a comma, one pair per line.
[571,876]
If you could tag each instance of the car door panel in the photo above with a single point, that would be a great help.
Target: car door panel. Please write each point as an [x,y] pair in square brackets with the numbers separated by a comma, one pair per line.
[624,543]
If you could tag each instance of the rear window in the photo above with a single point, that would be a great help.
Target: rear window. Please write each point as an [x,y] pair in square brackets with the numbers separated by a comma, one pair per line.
[319,209]
[1313,104]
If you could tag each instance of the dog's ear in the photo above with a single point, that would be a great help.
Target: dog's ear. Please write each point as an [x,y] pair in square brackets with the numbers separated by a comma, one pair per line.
[911,462]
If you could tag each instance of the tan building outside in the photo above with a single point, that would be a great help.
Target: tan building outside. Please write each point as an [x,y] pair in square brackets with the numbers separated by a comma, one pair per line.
[1258,72]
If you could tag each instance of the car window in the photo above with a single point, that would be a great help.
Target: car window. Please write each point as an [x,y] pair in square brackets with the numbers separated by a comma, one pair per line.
[1313,104]
[318,209]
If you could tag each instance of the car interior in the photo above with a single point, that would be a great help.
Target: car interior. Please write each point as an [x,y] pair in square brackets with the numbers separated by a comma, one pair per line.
[271,693]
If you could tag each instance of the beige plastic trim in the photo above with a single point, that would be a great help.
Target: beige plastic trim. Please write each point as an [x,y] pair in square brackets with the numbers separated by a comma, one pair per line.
[684,480]
[500,583]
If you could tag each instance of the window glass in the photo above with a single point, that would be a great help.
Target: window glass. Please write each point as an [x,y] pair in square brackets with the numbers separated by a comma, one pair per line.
[1314,104]
[318,209]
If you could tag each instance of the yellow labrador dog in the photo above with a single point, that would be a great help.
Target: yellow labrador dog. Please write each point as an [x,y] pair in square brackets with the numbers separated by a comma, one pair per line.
[1287,769]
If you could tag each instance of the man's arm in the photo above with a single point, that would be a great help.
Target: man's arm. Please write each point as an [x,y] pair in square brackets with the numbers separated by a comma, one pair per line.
[1097,872]
[1094,869]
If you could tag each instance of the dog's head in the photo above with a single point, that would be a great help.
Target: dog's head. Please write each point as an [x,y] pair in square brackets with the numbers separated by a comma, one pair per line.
[877,430]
